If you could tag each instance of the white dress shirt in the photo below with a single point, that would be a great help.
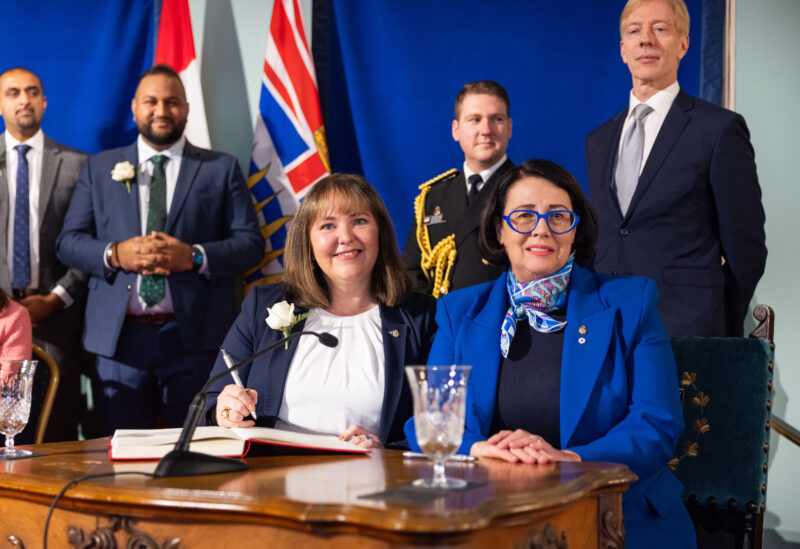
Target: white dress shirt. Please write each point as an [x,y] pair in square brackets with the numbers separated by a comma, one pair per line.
[661,102]
[35,156]
[485,174]
[328,389]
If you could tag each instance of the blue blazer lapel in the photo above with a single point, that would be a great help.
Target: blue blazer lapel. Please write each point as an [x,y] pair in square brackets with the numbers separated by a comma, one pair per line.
[610,152]
[277,367]
[480,348]
[130,200]
[587,336]
[677,118]
[190,165]
[394,353]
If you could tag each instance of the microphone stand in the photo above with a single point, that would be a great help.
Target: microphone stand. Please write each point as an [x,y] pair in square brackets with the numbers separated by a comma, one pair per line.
[180,462]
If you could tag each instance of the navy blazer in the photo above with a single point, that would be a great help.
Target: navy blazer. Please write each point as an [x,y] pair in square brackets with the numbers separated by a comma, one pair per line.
[407,329]
[619,398]
[210,206]
[697,201]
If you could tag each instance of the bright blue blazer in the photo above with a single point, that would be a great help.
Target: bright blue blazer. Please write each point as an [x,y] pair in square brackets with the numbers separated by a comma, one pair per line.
[619,397]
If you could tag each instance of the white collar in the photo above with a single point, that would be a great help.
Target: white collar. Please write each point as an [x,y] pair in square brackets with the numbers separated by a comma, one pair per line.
[661,101]
[36,142]
[146,152]
[487,173]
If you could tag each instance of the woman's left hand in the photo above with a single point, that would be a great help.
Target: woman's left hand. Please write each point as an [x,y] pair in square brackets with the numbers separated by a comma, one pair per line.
[356,434]
[530,448]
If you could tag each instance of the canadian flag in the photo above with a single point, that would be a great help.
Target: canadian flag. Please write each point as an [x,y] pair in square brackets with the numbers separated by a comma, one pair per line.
[175,47]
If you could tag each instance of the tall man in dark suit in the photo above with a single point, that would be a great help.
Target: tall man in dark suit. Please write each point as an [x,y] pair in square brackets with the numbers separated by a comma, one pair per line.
[37,178]
[441,252]
[674,182]
[163,228]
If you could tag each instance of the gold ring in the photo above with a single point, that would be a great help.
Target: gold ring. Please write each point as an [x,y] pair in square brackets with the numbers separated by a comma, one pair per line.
[225,413]
[538,439]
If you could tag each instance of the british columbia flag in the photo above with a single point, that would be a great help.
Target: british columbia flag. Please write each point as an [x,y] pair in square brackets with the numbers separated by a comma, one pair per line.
[289,149]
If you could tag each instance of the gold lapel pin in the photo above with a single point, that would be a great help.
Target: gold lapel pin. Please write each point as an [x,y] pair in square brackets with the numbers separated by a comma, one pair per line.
[394,333]
[582,330]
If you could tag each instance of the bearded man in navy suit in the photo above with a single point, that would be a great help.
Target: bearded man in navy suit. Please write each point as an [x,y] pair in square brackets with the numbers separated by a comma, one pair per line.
[674,182]
[164,229]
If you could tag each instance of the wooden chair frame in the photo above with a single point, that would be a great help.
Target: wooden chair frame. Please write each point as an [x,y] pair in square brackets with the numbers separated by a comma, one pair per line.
[50,394]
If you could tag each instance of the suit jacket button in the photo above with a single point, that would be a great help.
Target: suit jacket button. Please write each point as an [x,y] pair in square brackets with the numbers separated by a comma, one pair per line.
[624,232]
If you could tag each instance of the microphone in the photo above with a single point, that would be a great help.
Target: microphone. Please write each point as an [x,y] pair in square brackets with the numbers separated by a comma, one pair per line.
[180,462]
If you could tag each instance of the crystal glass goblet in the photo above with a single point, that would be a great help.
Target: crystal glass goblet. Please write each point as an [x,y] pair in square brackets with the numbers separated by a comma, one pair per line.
[16,387]
[440,395]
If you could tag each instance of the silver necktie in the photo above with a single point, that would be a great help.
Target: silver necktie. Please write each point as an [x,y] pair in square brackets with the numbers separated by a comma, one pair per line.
[626,175]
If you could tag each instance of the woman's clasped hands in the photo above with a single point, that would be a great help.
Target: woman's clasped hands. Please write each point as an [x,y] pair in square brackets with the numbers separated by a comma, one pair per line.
[520,445]
[356,434]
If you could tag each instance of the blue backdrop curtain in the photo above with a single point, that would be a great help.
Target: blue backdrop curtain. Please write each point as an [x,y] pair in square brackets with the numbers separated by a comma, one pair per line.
[89,55]
[389,72]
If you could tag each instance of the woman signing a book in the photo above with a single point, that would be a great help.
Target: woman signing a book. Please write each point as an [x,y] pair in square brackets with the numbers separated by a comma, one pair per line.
[343,275]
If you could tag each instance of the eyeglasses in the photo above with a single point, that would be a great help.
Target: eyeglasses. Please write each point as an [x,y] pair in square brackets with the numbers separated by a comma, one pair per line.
[558,221]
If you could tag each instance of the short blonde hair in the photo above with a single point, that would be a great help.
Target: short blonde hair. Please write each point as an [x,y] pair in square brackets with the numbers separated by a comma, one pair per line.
[304,283]
[679,10]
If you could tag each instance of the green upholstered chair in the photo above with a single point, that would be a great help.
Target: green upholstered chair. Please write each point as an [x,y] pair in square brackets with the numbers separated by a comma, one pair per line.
[721,458]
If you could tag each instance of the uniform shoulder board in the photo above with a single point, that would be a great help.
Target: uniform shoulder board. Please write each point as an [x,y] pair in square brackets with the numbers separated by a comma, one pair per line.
[449,174]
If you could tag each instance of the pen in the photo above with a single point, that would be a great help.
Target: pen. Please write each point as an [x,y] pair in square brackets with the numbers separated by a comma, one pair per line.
[454,457]
[234,374]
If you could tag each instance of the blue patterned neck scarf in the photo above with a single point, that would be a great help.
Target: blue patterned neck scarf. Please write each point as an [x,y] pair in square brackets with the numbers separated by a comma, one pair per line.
[534,300]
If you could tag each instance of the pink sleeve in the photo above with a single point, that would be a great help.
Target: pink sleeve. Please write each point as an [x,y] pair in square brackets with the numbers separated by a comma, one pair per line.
[16,336]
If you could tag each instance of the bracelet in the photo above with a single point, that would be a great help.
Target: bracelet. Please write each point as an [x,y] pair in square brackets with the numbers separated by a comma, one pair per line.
[115,253]
[109,255]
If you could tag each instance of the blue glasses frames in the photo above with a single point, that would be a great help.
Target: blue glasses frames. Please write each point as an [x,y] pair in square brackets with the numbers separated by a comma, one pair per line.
[558,221]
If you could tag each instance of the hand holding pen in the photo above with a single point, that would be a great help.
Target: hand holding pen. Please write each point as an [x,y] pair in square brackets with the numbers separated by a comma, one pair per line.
[236,379]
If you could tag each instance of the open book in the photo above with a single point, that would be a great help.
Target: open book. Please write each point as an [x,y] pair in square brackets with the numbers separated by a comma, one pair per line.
[220,441]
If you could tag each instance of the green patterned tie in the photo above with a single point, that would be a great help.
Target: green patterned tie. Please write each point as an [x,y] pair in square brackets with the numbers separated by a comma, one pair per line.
[151,288]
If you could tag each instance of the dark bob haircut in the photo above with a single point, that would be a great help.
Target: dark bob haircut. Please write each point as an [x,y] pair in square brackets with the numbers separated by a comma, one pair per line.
[585,233]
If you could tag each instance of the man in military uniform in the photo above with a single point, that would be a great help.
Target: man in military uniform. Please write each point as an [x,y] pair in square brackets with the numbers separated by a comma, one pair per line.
[442,249]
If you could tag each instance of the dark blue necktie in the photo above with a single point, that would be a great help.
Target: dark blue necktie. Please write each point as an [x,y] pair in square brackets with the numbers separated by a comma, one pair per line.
[21,278]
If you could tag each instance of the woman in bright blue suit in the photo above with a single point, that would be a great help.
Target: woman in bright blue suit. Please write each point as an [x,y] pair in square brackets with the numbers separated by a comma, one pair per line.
[343,276]
[567,364]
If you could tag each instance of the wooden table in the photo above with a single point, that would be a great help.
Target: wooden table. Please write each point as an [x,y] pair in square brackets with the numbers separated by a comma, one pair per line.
[307,501]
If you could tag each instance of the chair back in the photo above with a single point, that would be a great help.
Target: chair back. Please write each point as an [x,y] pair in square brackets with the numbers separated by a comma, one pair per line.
[721,458]
[42,402]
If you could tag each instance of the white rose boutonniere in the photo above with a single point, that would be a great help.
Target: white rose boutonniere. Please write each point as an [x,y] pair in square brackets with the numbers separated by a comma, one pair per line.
[124,172]
[281,317]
